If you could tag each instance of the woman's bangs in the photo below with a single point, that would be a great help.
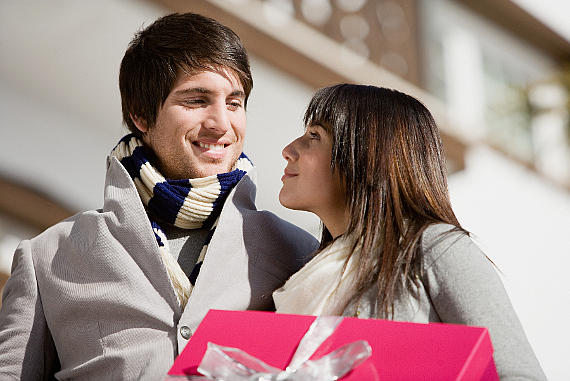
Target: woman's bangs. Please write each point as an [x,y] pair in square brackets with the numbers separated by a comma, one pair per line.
[323,108]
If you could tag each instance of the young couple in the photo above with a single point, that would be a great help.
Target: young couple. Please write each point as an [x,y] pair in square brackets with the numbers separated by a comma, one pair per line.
[116,293]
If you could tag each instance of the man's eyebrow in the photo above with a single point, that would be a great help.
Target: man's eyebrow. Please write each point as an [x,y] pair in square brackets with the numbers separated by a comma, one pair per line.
[193,90]
[202,90]
[237,93]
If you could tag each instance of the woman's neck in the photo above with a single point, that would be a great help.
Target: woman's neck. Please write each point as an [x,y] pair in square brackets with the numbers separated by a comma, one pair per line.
[336,221]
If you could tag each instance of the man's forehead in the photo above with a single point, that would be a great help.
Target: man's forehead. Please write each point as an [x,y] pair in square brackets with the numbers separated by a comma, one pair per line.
[185,74]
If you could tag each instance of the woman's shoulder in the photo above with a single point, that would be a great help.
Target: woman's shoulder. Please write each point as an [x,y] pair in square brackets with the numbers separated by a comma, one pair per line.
[446,241]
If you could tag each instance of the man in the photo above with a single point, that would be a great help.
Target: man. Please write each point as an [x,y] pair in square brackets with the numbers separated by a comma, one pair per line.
[116,293]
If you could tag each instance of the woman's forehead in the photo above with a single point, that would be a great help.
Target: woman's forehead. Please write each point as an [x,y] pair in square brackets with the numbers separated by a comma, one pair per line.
[322,125]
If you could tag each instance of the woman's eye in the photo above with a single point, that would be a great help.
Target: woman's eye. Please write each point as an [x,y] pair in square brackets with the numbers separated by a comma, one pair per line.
[314,135]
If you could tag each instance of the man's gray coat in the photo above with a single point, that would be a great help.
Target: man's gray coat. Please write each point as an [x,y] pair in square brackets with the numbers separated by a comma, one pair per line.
[93,294]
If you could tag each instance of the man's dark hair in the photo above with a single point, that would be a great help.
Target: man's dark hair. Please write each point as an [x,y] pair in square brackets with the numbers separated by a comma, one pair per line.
[185,42]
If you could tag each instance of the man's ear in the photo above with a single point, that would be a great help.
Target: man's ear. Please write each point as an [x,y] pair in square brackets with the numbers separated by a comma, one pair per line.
[140,123]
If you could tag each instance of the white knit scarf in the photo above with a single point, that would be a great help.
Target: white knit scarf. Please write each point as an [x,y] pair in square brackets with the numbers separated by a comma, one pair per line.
[320,287]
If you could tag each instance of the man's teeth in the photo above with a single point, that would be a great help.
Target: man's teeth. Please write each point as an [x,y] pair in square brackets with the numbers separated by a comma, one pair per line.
[213,147]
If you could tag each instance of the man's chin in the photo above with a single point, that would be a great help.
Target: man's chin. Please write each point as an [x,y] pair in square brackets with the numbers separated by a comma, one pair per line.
[211,169]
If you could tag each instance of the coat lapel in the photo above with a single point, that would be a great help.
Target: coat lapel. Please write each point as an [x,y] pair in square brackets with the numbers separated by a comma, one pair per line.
[223,282]
[131,227]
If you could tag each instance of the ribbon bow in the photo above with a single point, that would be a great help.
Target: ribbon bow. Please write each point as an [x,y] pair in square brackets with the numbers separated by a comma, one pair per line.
[226,363]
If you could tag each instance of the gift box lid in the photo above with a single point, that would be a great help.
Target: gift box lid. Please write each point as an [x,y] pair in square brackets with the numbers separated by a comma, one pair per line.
[400,350]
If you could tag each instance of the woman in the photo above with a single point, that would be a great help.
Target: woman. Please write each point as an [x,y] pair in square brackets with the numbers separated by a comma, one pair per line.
[371,166]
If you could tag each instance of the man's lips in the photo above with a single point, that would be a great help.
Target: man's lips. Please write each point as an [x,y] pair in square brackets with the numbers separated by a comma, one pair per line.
[211,149]
[211,146]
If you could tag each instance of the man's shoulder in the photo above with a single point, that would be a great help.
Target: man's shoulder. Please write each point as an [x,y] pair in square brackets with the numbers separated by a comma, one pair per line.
[77,225]
[278,238]
[265,224]
[273,224]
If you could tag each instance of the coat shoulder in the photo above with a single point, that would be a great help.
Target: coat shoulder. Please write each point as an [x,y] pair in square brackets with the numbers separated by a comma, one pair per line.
[79,229]
[441,239]
[280,230]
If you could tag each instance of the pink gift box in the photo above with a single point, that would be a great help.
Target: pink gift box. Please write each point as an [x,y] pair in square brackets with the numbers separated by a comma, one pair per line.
[400,351]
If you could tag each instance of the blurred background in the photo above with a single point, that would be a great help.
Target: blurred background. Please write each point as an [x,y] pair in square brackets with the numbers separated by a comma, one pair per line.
[495,74]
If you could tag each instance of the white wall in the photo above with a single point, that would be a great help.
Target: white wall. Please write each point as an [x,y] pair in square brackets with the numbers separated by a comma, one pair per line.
[59,100]
[275,113]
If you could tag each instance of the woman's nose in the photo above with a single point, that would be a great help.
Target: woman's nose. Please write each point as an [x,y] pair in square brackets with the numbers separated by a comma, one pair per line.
[290,152]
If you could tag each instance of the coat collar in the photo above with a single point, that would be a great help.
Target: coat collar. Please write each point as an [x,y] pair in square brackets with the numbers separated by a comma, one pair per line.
[130,220]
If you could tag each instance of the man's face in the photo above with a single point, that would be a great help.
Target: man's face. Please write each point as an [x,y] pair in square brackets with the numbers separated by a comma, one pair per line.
[200,129]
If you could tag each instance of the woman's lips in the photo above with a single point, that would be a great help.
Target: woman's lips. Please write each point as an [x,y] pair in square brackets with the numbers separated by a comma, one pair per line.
[287,174]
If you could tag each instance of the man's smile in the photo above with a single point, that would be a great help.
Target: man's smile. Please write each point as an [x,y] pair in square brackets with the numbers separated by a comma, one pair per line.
[213,147]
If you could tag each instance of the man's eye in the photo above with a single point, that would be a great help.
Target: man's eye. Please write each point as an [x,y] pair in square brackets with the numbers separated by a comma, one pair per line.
[234,104]
[194,102]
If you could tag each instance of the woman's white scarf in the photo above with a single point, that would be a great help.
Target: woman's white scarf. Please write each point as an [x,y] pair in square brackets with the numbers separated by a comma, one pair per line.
[320,287]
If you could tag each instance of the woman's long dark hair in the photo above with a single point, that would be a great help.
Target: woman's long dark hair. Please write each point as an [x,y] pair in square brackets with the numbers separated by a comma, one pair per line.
[388,152]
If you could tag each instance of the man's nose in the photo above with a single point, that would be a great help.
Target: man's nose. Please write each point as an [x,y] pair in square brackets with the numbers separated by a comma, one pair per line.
[218,119]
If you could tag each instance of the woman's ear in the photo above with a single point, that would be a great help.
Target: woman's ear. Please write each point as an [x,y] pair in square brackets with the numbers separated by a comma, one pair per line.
[140,123]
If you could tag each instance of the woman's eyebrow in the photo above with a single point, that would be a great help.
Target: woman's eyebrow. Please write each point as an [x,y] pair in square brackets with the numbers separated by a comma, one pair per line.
[319,126]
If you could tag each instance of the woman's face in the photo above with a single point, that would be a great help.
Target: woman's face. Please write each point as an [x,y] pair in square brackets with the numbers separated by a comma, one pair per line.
[308,183]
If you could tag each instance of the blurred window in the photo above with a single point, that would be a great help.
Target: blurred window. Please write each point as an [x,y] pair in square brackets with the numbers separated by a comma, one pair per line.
[497,88]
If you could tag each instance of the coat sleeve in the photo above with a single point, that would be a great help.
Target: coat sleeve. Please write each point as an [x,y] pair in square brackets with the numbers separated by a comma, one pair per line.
[465,289]
[27,351]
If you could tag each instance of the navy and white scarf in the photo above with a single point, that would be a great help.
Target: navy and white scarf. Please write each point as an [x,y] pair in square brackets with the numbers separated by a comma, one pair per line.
[187,204]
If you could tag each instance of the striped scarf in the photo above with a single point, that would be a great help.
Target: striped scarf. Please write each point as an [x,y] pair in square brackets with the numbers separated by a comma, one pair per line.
[187,204]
